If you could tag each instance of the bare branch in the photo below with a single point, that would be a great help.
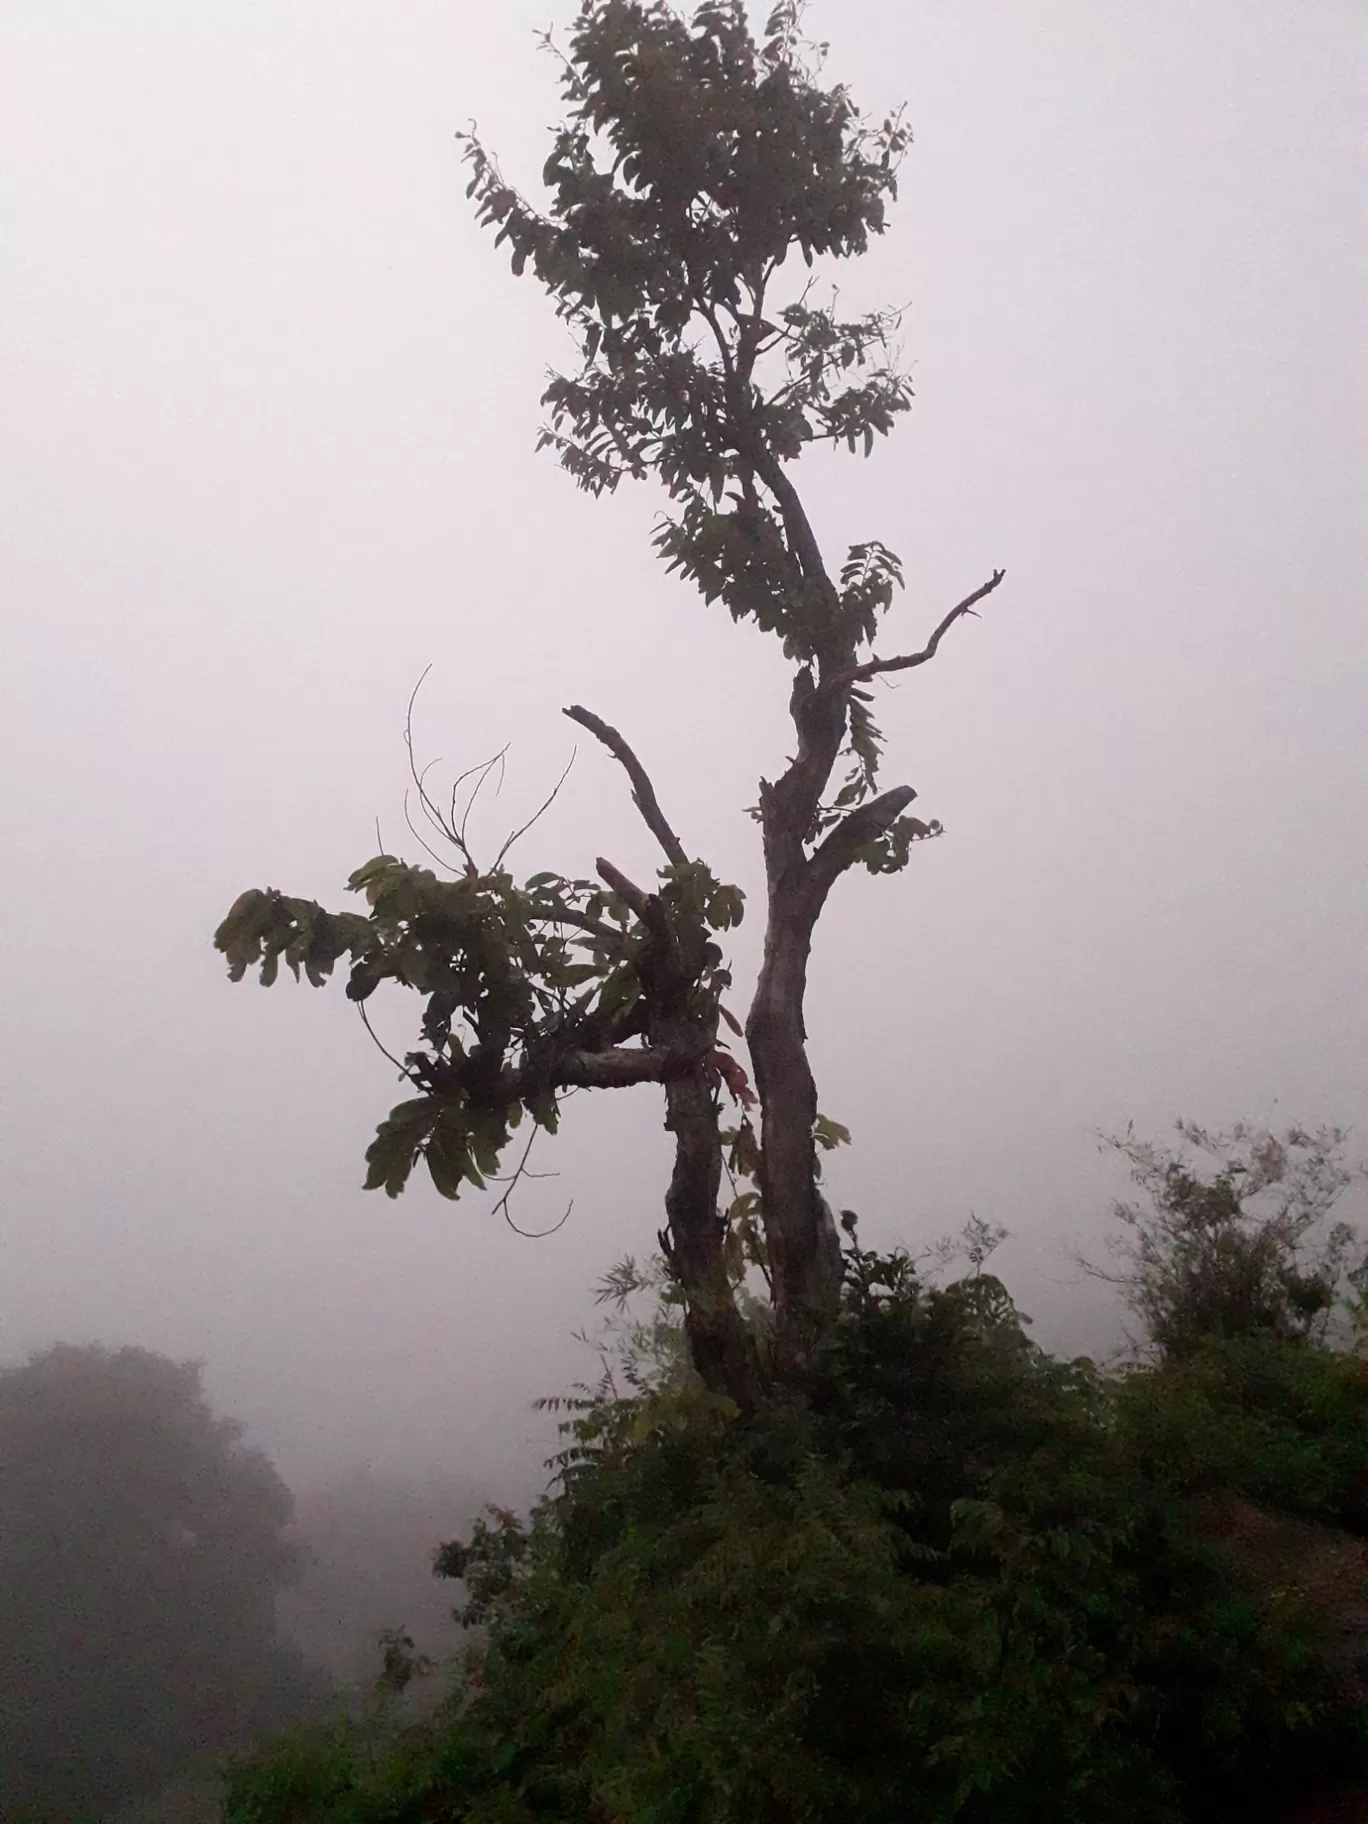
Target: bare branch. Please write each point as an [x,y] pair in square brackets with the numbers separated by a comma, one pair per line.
[646,905]
[860,674]
[445,822]
[625,889]
[434,816]
[643,792]
[536,815]
[445,826]
[480,774]
[422,840]
[383,1049]
[534,1234]
[513,1179]
[614,1067]
[421,779]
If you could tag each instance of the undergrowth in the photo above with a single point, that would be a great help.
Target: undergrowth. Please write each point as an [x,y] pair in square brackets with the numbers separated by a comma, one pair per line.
[952,1579]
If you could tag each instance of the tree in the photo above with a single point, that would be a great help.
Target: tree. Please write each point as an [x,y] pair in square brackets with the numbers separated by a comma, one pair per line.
[696,161]
[1244,1249]
[141,1549]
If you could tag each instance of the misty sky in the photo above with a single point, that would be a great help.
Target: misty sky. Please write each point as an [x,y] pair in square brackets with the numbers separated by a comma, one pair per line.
[269,402]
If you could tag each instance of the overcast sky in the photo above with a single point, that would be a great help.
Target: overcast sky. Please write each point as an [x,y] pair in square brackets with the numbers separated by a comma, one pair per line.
[269,401]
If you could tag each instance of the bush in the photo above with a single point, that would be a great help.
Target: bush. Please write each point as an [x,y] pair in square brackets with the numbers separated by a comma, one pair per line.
[958,1580]
[1242,1249]
[1281,1425]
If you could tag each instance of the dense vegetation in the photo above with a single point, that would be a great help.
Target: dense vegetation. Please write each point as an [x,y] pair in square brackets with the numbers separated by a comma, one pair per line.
[950,1577]
[954,1579]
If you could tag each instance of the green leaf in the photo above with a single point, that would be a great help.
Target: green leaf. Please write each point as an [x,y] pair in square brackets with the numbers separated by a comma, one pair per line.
[621,990]
[573,975]
[372,870]
[829,1134]
[447,1153]
[398,1140]
[725,908]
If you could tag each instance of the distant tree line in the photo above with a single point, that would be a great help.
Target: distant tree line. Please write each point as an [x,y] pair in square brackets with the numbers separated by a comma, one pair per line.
[142,1548]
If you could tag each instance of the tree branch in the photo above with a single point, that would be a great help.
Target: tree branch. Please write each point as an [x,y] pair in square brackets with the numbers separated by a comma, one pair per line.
[511,1183]
[647,906]
[626,890]
[860,674]
[536,817]
[616,1068]
[802,540]
[643,792]
[580,921]
[833,856]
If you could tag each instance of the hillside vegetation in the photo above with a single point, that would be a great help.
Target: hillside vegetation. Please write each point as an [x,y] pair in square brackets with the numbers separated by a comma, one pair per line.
[952,1578]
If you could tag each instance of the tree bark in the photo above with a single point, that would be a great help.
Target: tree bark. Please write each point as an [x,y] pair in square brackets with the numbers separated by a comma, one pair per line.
[693,1244]
[804,1248]
[805,1255]
[693,1240]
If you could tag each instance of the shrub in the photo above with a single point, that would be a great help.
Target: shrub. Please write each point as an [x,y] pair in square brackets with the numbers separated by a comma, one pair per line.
[1245,1248]
[957,1580]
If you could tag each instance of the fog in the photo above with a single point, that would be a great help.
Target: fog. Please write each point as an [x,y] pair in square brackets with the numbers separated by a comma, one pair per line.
[270,400]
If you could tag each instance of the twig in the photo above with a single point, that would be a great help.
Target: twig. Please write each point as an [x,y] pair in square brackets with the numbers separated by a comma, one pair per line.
[403,1069]
[513,1179]
[538,814]
[433,815]
[418,836]
[731,1179]
[643,792]
[483,770]
[872,668]
[416,776]
[430,811]
[445,824]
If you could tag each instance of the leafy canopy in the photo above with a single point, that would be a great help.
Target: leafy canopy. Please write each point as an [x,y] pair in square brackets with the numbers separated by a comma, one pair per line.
[526,989]
[697,160]
[693,162]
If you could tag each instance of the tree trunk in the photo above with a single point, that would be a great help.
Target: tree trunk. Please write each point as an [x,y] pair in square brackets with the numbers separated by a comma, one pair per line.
[693,1244]
[693,1241]
[805,1254]
[804,1250]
